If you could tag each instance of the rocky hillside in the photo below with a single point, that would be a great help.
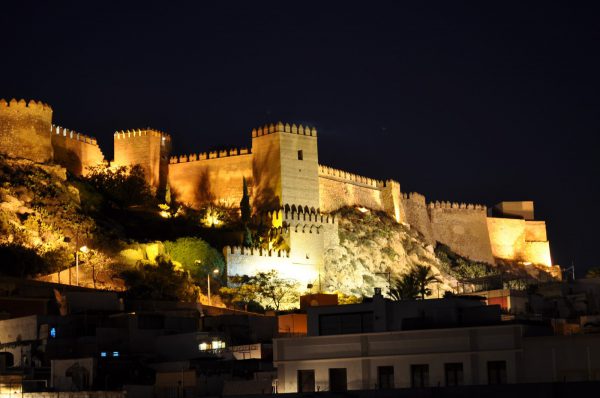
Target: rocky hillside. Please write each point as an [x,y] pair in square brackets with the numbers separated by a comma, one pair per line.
[372,245]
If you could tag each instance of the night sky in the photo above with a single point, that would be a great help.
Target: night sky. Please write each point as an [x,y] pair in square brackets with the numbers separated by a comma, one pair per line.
[478,102]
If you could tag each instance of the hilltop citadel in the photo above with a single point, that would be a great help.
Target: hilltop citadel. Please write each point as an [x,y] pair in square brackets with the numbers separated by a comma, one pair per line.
[290,190]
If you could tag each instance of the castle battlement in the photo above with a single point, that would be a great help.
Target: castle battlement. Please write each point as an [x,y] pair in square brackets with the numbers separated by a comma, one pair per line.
[279,127]
[61,131]
[415,197]
[287,215]
[194,157]
[456,206]
[20,105]
[124,134]
[327,171]
[252,252]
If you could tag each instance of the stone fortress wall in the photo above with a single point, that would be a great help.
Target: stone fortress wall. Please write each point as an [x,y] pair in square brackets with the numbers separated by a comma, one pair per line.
[287,185]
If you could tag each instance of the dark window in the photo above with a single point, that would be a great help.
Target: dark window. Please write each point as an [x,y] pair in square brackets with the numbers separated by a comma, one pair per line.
[300,155]
[419,376]
[496,372]
[360,322]
[338,380]
[385,376]
[306,380]
[454,374]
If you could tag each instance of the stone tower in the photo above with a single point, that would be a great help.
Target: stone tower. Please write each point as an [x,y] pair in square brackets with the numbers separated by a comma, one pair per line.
[25,130]
[150,149]
[285,167]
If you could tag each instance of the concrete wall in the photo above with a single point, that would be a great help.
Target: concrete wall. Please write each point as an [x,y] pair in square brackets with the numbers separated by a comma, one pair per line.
[206,178]
[463,229]
[25,130]
[361,354]
[76,152]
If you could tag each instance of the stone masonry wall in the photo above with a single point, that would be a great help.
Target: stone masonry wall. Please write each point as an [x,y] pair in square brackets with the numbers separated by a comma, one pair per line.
[76,152]
[463,228]
[216,177]
[338,188]
[25,130]
[519,240]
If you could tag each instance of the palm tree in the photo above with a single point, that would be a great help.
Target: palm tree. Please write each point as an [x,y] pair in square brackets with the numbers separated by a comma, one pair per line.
[423,276]
[405,288]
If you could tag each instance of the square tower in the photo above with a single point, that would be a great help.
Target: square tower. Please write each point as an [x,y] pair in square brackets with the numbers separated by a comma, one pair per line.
[285,167]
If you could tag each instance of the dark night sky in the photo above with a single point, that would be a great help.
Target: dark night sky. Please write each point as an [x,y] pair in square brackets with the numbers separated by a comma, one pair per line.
[478,102]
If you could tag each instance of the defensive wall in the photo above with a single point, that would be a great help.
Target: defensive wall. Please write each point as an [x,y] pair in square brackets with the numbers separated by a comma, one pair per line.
[338,188]
[74,151]
[147,147]
[519,239]
[25,130]
[211,177]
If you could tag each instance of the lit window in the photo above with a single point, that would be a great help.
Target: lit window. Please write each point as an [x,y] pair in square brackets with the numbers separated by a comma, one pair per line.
[203,346]
[103,354]
[115,354]
[52,332]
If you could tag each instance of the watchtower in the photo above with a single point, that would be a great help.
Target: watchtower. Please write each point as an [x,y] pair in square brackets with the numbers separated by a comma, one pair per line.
[150,149]
[285,166]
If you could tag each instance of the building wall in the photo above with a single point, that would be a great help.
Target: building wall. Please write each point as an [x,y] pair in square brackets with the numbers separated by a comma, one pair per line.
[361,354]
[417,215]
[148,148]
[76,152]
[266,163]
[519,240]
[463,228]
[25,130]
[216,177]
[338,188]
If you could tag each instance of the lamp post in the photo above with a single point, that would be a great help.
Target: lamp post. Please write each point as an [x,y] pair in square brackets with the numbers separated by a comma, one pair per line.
[83,249]
[215,272]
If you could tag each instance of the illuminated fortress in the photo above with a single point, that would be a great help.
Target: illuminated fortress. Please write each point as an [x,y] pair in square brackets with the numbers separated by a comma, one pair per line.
[289,189]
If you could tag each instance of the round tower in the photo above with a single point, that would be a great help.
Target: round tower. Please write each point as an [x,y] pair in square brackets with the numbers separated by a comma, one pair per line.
[25,130]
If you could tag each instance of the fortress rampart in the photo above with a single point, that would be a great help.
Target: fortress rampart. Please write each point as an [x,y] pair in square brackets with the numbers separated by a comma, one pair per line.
[290,191]
[25,130]
[74,151]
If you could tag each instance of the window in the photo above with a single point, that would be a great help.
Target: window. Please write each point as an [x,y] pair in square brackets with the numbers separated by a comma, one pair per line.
[300,155]
[360,322]
[338,380]
[385,377]
[496,372]
[419,376]
[454,374]
[306,380]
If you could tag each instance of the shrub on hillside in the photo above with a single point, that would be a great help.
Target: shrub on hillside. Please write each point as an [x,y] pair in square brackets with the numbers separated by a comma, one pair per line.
[125,185]
[195,256]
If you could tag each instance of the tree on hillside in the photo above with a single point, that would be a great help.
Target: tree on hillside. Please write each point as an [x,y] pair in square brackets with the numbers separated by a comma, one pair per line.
[405,288]
[160,282]
[424,277]
[245,208]
[195,256]
[275,290]
[125,185]
[242,289]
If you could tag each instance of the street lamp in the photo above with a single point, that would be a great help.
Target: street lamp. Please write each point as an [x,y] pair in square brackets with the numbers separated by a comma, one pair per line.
[83,249]
[215,272]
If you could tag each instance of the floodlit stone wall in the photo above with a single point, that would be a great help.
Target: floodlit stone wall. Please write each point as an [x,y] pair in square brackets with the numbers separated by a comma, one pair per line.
[74,151]
[519,240]
[25,130]
[148,148]
[214,177]
[417,215]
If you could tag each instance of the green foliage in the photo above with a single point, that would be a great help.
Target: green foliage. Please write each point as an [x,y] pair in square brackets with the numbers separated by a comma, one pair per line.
[414,284]
[245,208]
[196,256]
[344,299]
[125,186]
[275,290]
[461,267]
[241,290]
[160,282]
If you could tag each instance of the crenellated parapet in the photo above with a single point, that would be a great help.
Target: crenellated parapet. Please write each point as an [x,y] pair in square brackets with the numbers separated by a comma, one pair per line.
[148,132]
[457,206]
[194,157]
[33,107]
[280,127]
[25,130]
[255,252]
[326,171]
[289,214]
[61,131]
[415,197]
